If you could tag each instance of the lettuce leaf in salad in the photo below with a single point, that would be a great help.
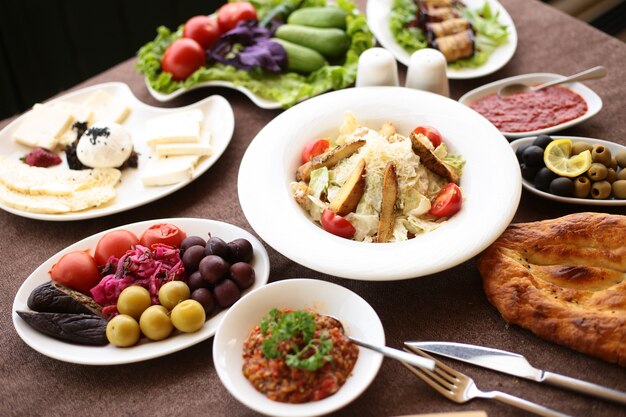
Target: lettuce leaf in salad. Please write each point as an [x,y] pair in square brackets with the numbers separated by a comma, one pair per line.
[285,88]
[402,23]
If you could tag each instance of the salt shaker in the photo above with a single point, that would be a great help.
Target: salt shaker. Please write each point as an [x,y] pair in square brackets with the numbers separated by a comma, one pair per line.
[377,66]
[427,71]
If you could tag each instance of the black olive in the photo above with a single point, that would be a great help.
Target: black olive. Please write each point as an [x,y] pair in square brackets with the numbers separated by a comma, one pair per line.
[542,141]
[562,186]
[543,179]
[533,156]
[519,152]
[529,172]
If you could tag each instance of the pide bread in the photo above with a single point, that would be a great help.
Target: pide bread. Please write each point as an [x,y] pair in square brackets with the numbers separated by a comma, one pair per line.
[563,279]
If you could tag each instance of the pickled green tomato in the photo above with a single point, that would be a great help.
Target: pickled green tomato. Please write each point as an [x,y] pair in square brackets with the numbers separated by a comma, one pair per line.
[133,301]
[123,330]
[155,323]
[172,293]
[188,316]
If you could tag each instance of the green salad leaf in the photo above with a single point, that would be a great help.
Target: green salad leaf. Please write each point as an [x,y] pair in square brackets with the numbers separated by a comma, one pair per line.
[286,88]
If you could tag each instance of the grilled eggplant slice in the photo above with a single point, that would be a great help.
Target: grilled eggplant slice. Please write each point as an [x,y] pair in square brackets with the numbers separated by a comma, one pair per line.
[53,297]
[387,218]
[456,46]
[83,329]
[432,162]
[328,159]
[350,193]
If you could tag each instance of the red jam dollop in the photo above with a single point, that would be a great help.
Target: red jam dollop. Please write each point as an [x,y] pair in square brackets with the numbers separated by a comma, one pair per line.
[525,112]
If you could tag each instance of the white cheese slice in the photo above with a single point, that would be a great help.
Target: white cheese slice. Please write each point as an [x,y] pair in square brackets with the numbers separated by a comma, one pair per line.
[43,126]
[80,113]
[175,149]
[106,108]
[179,127]
[167,171]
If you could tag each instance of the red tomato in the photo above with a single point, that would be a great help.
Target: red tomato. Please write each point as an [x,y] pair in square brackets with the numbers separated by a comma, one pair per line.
[337,225]
[202,29]
[311,149]
[232,13]
[77,270]
[165,233]
[447,202]
[431,133]
[182,58]
[114,243]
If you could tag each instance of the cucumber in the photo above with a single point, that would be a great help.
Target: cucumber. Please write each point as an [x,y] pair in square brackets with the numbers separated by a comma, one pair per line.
[319,17]
[330,42]
[300,58]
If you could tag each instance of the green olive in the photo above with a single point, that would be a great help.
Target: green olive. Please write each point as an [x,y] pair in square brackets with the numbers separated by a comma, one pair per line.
[597,172]
[621,175]
[123,330]
[188,316]
[133,301]
[611,175]
[601,190]
[613,163]
[619,189]
[601,154]
[620,157]
[172,293]
[582,187]
[155,323]
[579,147]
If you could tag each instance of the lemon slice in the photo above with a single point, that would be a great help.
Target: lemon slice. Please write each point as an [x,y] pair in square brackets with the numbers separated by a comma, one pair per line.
[558,160]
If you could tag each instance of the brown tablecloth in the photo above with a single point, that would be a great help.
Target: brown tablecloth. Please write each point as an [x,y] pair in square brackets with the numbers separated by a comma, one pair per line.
[449,305]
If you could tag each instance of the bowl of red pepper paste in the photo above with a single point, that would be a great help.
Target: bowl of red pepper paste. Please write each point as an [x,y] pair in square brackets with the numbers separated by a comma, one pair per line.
[534,113]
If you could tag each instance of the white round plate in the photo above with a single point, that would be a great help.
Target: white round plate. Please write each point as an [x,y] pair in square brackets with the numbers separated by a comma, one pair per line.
[612,146]
[359,320]
[109,354]
[378,15]
[130,193]
[491,184]
[594,102]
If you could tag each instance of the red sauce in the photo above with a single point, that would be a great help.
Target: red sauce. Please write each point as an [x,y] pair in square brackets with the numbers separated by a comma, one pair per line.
[525,112]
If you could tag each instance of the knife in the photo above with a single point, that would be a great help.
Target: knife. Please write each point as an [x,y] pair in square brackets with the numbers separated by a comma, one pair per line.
[517,365]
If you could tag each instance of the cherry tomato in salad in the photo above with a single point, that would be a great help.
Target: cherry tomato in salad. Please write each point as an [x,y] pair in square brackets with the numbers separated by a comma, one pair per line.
[77,270]
[312,149]
[165,233]
[431,133]
[336,224]
[232,13]
[202,29]
[114,243]
[447,202]
[182,58]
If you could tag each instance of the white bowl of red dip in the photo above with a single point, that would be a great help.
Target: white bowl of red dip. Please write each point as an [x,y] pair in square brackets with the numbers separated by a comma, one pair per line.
[239,331]
[534,113]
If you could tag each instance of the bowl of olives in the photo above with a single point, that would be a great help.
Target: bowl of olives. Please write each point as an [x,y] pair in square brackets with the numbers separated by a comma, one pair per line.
[573,170]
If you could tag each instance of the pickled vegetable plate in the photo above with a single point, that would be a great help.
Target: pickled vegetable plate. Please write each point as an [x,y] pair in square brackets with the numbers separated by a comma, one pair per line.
[146,349]
[612,146]
[359,320]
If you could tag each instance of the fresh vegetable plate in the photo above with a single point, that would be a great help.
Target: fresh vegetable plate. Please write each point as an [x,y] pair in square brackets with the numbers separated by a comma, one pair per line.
[109,354]
[359,320]
[612,146]
[379,15]
[491,184]
[130,192]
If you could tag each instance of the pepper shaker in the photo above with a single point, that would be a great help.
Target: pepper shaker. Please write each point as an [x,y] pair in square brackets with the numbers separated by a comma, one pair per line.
[427,71]
[377,66]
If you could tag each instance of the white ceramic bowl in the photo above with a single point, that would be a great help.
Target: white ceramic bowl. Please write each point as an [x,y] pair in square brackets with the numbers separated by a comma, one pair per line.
[491,184]
[359,320]
[594,102]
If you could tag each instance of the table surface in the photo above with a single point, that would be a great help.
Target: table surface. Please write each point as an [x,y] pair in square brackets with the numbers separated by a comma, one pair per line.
[450,305]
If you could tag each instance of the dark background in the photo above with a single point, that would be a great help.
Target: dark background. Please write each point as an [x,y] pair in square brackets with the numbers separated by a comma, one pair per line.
[49,46]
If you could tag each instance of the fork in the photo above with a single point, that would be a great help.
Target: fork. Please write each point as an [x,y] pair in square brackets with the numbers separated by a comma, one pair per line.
[461,388]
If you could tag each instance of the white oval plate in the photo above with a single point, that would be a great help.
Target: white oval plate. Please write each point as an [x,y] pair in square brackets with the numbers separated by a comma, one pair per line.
[378,15]
[359,320]
[109,354]
[131,193]
[612,146]
[271,160]
[594,102]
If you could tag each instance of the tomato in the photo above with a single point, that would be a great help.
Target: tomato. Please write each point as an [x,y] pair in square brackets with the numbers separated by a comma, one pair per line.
[232,13]
[77,270]
[182,58]
[336,224]
[202,29]
[447,202]
[311,149]
[431,133]
[165,233]
[114,243]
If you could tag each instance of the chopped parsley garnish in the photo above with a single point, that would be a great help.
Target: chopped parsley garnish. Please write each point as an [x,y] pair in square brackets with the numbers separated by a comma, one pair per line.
[298,327]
